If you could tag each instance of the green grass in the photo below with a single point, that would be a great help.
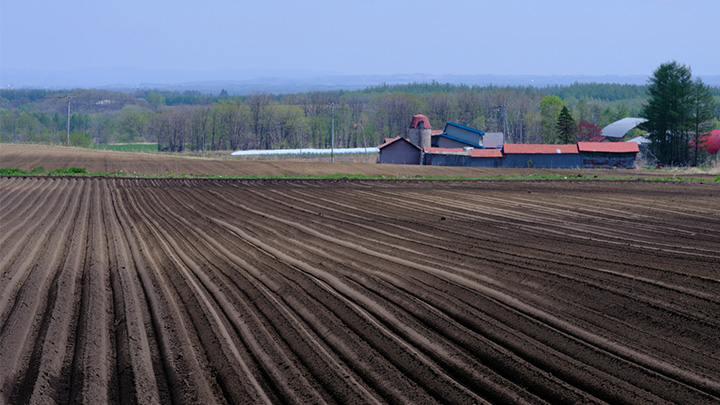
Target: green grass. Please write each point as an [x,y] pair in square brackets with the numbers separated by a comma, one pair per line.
[40,171]
[77,171]
[129,147]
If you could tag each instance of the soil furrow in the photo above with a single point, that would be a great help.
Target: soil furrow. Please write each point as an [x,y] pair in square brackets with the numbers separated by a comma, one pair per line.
[358,291]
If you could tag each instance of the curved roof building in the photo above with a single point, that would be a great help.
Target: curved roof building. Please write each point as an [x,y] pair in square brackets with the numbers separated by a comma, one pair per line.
[618,129]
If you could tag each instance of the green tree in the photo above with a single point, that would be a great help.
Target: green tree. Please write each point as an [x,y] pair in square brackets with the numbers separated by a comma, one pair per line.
[132,124]
[582,111]
[156,100]
[79,139]
[702,113]
[668,112]
[550,107]
[566,127]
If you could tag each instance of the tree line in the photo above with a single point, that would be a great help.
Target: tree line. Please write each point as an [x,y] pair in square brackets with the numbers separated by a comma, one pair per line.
[180,121]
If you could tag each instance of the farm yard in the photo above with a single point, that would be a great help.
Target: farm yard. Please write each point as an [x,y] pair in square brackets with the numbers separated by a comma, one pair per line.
[27,157]
[125,290]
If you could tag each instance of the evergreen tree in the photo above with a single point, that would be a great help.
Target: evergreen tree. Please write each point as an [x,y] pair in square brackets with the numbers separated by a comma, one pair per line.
[549,109]
[566,127]
[668,111]
[702,113]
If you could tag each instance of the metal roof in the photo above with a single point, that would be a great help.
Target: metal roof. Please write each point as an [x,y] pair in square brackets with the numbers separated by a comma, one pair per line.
[445,151]
[455,124]
[618,129]
[525,148]
[474,145]
[393,140]
[611,147]
[486,153]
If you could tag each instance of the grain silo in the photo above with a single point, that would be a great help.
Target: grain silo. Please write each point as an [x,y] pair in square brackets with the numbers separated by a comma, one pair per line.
[420,131]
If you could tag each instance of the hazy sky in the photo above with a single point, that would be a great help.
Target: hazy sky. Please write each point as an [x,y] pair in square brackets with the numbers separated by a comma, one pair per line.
[502,37]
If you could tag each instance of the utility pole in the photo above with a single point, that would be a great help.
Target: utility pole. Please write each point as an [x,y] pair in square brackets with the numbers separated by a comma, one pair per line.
[68,122]
[501,109]
[504,121]
[204,129]
[362,128]
[332,133]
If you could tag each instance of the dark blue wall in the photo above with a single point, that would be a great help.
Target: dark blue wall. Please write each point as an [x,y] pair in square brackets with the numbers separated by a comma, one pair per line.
[402,153]
[609,160]
[544,161]
[460,160]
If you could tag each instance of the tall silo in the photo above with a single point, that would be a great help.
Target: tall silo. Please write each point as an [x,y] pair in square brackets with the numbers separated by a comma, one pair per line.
[420,131]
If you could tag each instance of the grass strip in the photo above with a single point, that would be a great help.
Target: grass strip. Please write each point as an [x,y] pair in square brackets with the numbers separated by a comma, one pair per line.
[77,171]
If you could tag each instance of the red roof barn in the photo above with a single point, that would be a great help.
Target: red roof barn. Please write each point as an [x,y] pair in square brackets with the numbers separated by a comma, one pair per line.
[605,155]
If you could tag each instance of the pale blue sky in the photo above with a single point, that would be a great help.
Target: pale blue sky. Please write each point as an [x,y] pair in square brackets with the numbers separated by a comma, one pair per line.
[502,37]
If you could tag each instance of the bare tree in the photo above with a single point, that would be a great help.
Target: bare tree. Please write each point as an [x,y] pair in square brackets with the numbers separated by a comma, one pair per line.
[469,110]
[440,108]
[258,104]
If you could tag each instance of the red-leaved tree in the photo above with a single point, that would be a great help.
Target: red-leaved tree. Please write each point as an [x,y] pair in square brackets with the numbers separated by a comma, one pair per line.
[710,142]
[587,131]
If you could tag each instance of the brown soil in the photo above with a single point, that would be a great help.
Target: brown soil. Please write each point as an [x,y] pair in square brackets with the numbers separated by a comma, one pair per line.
[27,157]
[341,291]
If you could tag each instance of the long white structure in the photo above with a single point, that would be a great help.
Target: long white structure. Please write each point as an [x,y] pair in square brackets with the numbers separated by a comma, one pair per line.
[342,151]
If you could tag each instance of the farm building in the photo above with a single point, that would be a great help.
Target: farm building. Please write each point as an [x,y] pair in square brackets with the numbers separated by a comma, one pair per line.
[471,136]
[450,142]
[617,130]
[493,140]
[459,145]
[462,157]
[420,131]
[420,121]
[399,151]
[605,155]
[541,156]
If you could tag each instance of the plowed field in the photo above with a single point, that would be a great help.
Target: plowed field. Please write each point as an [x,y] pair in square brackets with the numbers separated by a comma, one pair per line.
[320,291]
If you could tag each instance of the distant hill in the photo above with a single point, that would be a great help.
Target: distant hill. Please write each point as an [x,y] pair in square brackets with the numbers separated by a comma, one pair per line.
[274,81]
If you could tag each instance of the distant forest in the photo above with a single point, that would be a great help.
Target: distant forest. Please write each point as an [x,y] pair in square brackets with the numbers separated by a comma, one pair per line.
[179,121]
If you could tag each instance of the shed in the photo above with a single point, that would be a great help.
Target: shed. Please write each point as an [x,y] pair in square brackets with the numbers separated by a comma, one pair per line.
[447,141]
[444,156]
[541,156]
[469,157]
[605,155]
[467,134]
[399,151]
